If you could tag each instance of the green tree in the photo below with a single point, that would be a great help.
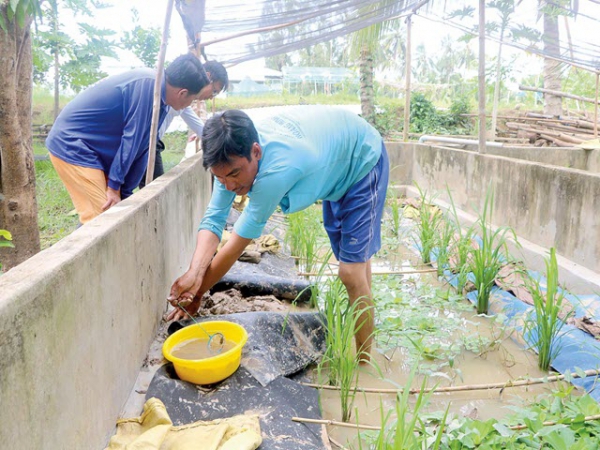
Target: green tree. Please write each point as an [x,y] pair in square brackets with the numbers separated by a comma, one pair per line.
[143,42]
[18,206]
[76,62]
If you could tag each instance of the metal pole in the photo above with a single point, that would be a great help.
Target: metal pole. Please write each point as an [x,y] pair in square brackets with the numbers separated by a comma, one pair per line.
[157,89]
[407,88]
[482,131]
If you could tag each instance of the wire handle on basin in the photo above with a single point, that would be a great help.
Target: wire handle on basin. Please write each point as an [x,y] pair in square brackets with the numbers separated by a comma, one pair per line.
[214,346]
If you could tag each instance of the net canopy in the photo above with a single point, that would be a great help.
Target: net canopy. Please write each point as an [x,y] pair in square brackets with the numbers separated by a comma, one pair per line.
[286,25]
[318,74]
[239,31]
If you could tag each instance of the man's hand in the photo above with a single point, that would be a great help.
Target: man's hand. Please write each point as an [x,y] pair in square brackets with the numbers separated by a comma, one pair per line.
[184,293]
[112,198]
[192,308]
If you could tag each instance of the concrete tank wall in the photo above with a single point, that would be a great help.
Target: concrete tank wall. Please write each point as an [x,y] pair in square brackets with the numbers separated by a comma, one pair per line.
[545,204]
[76,320]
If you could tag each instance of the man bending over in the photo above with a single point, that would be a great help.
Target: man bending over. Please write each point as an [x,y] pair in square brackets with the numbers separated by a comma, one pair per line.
[292,160]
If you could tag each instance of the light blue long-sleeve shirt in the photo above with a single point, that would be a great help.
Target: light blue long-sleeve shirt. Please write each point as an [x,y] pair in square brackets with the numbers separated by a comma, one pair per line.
[107,127]
[309,153]
[188,115]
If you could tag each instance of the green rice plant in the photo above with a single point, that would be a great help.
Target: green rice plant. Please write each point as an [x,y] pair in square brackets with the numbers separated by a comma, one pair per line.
[318,279]
[304,228]
[393,203]
[461,248]
[339,358]
[547,324]
[443,247]
[427,226]
[491,254]
[408,431]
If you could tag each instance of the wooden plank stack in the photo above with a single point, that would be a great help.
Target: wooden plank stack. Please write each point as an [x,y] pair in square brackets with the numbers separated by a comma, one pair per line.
[545,131]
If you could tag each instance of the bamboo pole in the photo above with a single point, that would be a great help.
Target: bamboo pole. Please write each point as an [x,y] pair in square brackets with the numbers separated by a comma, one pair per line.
[336,423]
[157,91]
[596,107]
[548,423]
[556,93]
[482,127]
[468,387]
[386,272]
[408,70]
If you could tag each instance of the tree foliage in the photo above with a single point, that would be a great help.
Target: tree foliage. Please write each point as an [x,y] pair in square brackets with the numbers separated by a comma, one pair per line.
[143,42]
[79,54]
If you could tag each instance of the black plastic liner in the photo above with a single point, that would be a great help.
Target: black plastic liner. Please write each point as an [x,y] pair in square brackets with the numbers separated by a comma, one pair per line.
[278,346]
[273,275]
[275,405]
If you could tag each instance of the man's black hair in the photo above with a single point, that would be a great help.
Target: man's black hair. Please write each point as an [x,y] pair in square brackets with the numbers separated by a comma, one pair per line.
[218,73]
[226,135]
[187,72]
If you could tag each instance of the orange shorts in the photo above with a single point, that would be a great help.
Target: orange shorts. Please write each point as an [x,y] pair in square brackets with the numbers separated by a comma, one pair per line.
[86,187]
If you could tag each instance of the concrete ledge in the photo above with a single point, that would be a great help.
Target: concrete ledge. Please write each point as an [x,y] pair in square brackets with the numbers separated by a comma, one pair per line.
[76,320]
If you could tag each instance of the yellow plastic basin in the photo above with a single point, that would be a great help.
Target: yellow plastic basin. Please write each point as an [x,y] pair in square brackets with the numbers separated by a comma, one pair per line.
[213,369]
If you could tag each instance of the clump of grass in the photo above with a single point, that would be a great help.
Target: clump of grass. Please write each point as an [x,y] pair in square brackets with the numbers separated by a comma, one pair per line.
[490,256]
[428,224]
[544,328]
[339,359]
[304,228]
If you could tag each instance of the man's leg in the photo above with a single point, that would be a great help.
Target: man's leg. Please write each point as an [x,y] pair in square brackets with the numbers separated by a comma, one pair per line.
[356,278]
[353,224]
[158,164]
[86,187]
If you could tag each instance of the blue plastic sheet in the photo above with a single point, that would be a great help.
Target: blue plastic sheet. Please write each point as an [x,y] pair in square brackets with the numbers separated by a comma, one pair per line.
[576,348]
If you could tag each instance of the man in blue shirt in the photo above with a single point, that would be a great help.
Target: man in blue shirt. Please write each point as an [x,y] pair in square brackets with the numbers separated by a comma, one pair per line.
[219,80]
[99,142]
[291,160]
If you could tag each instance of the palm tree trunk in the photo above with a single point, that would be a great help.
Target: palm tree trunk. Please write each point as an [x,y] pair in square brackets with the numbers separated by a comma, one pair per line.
[18,206]
[367,97]
[552,79]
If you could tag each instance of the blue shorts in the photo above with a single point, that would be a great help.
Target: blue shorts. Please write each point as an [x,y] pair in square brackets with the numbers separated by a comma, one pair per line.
[353,223]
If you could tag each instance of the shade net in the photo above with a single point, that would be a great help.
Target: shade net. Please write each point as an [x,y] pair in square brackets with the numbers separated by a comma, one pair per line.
[288,25]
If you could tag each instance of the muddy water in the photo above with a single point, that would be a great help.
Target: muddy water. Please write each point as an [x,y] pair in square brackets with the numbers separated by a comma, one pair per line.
[201,348]
[499,363]
[507,362]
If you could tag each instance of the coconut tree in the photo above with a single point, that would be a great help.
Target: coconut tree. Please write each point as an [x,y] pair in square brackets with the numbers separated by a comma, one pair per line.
[505,9]
[363,44]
